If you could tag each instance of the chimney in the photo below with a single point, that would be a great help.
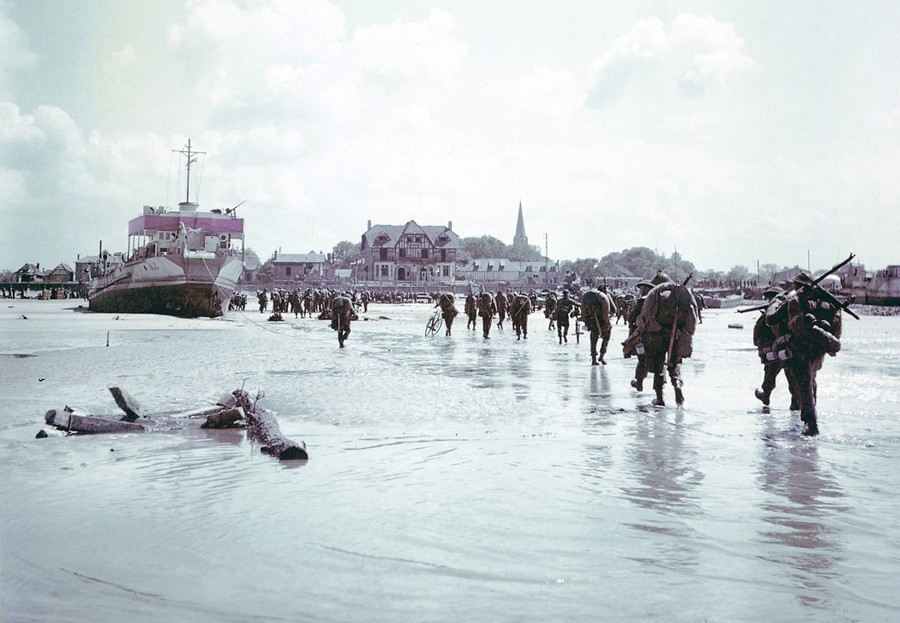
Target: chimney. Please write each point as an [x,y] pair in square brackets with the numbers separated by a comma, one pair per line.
[450,225]
[370,225]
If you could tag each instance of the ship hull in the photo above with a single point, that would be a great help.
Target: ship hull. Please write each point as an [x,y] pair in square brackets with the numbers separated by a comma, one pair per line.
[174,285]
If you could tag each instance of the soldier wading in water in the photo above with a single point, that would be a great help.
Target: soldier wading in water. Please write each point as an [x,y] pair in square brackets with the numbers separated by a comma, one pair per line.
[342,313]
[448,309]
[807,325]
[666,325]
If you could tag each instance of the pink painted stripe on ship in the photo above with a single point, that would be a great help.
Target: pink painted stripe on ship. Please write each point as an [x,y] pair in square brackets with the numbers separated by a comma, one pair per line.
[170,222]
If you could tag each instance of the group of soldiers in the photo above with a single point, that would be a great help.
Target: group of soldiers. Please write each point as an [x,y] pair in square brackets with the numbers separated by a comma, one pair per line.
[304,302]
[593,307]
[799,324]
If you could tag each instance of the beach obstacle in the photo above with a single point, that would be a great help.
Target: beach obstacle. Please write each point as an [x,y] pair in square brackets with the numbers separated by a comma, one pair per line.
[233,410]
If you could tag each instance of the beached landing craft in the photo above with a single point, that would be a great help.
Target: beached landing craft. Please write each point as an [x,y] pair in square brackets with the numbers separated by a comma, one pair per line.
[181,263]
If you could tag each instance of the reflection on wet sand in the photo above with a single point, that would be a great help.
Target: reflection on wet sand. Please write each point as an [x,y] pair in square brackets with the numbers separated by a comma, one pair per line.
[803,496]
[664,466]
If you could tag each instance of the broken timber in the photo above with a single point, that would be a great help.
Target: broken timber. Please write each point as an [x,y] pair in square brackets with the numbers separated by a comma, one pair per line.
[233,410]
[71,421]
[264,429]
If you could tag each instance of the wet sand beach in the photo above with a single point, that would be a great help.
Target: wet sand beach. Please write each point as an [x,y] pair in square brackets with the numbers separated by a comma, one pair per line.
[450,478]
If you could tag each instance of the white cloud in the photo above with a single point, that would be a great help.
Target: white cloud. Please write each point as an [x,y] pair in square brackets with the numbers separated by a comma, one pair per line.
[694,53]
[15,52]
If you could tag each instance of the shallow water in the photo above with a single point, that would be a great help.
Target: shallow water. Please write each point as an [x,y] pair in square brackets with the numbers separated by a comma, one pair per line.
[449,478]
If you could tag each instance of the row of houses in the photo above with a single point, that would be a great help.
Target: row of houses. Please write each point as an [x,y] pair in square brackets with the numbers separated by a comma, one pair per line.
[414,254]
[33,273]
[409,254]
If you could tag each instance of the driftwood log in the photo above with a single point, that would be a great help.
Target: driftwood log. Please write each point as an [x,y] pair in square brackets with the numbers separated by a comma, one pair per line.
[234,410]
[70,420]
[264,429]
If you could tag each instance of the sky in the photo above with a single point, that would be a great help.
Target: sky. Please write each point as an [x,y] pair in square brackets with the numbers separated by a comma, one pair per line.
[732,132]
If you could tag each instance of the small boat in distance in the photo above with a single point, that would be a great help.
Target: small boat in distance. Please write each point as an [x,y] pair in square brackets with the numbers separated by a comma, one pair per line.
[181,263]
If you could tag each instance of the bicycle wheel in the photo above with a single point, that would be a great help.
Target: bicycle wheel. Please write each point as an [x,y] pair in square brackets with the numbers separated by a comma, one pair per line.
[430,327]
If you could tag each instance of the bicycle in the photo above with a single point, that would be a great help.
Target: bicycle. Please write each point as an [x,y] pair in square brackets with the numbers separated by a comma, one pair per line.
[434,323]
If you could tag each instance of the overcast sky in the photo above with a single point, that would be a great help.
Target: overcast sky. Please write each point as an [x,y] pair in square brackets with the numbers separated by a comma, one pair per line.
[734,132]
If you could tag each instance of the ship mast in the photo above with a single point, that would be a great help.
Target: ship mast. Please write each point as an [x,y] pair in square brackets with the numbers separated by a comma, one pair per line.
[191,158]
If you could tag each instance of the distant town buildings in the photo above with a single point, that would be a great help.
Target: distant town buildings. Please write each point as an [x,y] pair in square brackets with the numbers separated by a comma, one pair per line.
[299,266]
[409,253]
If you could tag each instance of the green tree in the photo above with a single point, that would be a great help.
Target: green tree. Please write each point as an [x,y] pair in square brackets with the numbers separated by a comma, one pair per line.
[481,247]
[266,272]
[345,253]
[738,273]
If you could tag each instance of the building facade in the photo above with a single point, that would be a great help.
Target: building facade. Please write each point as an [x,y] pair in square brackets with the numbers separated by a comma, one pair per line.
[410,253]
[299,266]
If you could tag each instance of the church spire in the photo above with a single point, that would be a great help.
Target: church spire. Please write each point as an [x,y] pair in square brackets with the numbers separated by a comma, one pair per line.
[520,239]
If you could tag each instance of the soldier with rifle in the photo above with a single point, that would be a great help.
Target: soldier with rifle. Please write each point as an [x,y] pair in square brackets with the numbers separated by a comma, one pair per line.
[807,324]
[666,324]
[766,343]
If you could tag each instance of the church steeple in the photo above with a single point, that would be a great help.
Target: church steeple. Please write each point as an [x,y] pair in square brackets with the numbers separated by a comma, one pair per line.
[520,240]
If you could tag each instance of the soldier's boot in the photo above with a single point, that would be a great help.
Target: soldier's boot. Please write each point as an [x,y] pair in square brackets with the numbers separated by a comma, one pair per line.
[602,360]
[637,384]
[763,396]
[658,383]
[808,415]
[560,339]
[593,360]
[679,394]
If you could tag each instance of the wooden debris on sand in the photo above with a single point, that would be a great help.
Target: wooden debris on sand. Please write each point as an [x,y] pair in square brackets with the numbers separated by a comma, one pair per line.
[77,421]
[264,429]
[233,410]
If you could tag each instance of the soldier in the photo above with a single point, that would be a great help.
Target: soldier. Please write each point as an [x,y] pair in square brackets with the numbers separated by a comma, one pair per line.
[471,310]
[518,311]
[500,301]
[632,345]
[807,325]
[667,323]
[342,313]
[764,339]
[550,309]
[595,311]
[486,309]
[263,299]
[565,307]
[448,309]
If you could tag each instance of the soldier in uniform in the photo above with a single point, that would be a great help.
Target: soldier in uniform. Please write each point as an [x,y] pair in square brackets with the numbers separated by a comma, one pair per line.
[632,345]
[500,301]
[342,313]
[595,312]
[486,309]
[764,339]
[564,308]
[667,323]
[519,310]
[471,310]
[448,309]
[550,309]
[807,325]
